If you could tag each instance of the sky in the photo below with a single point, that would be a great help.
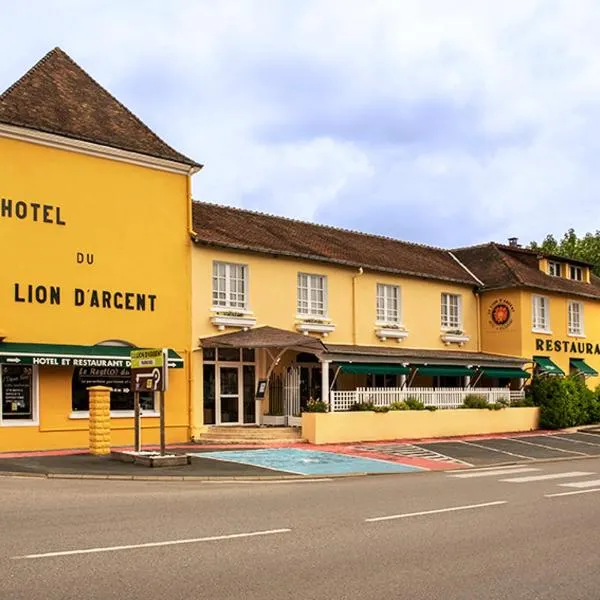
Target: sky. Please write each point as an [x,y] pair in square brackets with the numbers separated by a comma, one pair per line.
[444,122]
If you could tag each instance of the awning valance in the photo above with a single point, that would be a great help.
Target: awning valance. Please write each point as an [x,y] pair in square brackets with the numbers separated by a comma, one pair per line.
[547,367]
[374,369]
[506,373]
[580,365]
[61,355]
[444,370]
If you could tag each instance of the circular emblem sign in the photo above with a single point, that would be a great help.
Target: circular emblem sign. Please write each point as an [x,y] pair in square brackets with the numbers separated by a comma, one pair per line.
[501,313]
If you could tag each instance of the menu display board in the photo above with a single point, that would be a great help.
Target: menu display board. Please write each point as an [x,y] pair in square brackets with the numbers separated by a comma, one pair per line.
[116,378]
[17,392]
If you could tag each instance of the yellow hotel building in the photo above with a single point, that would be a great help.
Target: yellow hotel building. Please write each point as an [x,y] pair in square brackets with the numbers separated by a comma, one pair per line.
[104,250]
[94,235]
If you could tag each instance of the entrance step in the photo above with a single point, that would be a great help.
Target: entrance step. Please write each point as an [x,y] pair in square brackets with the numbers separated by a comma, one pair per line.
[251,435]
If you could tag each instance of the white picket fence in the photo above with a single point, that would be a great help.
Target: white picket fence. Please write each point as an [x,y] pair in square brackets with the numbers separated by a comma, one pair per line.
[438,397]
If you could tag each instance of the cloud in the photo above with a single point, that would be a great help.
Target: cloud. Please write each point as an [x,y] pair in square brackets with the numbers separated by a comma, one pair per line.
[443,121]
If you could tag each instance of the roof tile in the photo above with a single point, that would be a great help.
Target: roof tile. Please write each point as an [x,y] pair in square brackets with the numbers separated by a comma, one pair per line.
[57,96]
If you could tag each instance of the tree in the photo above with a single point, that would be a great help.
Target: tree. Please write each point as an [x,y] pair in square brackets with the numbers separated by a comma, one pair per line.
[586,248]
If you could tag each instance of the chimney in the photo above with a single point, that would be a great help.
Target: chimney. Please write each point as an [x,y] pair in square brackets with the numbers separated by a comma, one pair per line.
[513,241]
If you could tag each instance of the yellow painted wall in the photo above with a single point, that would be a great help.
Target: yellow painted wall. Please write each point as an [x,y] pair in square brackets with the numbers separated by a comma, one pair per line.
[273,297]
[518,338]
[134,221]
[332,428]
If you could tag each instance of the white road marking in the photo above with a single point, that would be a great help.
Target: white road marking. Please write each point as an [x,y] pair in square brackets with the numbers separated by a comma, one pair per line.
[571,493]
[500,468]
[433,512]
[539,445]
[582,484]
[577,441]
[496,450]
[546,477]
[214,538]
[492,472]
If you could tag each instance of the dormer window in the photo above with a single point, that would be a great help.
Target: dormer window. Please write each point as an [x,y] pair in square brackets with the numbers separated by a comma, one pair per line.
[553,268]
[576,273]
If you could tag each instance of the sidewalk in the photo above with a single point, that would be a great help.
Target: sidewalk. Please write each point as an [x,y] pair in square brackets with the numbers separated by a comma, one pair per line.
[413,454]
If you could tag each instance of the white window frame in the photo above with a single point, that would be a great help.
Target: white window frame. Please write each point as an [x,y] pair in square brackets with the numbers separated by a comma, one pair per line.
[311,310]
[446,318]
[554,268]
[575,269]
[540,306]
[385,313]
[571,329]
[35,402]
[228,303]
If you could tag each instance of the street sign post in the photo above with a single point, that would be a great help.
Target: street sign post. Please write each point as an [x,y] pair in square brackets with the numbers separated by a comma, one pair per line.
[149,373]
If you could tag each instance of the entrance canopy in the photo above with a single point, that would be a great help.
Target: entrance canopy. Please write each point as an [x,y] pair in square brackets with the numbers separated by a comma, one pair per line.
[582,367]
[60,355]
[265,337]
[546,366]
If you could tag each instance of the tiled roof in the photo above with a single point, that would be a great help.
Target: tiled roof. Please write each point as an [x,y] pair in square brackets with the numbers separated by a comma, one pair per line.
[57,96]
[247,230]
[501,267]
[420,356]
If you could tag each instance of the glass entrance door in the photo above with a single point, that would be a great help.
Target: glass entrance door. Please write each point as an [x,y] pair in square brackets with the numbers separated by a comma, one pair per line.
[229,394]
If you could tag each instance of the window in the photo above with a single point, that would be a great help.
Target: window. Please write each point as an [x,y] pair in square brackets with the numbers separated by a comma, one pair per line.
[312,295]
[540,315]
[118,379]
[575,318]
[553,268]
[576,273]
[230,283]
[18,386]
[451,312]
[388,303]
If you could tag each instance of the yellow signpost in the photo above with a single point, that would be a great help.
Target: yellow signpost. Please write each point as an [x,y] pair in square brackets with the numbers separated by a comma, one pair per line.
[149,373]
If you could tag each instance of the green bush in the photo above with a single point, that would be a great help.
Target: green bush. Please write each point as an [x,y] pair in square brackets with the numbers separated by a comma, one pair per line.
[398,405]
[414,404]
[316,406]
[564,401]
[360,406]
[381,409]
[475,401]
[431,408]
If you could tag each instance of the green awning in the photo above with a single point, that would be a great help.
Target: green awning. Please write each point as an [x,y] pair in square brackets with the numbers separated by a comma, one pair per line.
[580,365]
[505,373]
[374,369]
[444,371]
[61,355]
[547,366]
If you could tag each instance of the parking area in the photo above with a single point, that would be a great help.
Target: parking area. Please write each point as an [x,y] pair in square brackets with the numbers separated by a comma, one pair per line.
[517,448]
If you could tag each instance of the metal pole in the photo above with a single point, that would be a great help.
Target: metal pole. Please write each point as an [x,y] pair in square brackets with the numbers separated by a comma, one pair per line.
[137,422]
[162,423]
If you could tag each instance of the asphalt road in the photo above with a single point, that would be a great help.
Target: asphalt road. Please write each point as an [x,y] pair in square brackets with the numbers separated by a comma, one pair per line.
[495,534]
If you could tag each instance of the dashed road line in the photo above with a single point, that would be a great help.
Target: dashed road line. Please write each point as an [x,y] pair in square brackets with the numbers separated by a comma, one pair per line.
[559,494]
[435,511]
[582,484]
[213,538]
[531,478]
[492,472]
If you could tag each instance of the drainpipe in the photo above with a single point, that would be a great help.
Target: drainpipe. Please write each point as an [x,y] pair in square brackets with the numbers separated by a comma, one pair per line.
[354,311]
[478,312]
[190,220]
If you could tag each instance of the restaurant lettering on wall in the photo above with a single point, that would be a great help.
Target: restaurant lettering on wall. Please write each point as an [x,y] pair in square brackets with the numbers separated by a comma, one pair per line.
[550,345]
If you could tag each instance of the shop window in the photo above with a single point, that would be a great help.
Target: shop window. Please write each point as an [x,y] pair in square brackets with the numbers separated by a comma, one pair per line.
[248,355]
[18,386]
[118,379]
[209,381]
[229,354]
[382,380]
[209,354]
